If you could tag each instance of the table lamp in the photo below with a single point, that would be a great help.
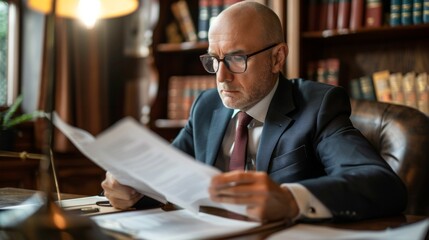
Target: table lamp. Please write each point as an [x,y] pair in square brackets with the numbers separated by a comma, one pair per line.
[50,221]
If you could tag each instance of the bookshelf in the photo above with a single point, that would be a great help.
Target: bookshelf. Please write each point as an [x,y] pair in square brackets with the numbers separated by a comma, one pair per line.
[366,50]
[178,59]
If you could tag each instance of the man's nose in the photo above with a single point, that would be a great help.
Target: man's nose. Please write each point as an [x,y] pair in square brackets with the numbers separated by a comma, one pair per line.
[223,74]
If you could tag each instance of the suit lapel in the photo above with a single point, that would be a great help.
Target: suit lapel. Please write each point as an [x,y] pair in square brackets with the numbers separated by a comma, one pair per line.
[276,123]
[220,120]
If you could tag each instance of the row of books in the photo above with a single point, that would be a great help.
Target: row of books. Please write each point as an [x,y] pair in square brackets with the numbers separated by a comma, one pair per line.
[407,12]
[182,91]
[324,70]
[410,89]
[356,14]
[183,29]
[186,30]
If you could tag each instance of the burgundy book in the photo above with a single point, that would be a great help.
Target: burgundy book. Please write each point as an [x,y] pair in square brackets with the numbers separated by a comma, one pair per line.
[343,14]
[323,17]
[331,22]
[313,15]
[356,14]
[373,13]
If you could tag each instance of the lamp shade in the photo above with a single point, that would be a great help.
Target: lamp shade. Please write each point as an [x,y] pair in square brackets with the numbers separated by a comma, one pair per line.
[69,8]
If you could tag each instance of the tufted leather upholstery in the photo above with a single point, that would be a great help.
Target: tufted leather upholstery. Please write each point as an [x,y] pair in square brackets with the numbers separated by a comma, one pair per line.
[401,135]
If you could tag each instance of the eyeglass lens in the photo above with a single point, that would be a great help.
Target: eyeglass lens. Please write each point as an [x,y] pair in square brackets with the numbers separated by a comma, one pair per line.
[234,63]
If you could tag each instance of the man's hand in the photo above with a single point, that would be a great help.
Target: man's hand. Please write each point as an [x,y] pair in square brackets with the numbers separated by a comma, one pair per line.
[265,199]
[120,196]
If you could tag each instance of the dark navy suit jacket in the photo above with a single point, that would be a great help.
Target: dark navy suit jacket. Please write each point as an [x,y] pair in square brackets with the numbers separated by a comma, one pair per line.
[307,138]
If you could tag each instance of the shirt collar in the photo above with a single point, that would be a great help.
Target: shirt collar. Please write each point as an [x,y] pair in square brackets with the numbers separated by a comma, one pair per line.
[260,109]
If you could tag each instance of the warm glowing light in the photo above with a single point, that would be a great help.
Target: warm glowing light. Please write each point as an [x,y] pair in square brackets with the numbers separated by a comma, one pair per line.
[69,8]
[59,220]
[88,12]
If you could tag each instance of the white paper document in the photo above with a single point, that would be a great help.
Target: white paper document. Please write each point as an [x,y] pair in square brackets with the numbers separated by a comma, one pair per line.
[141,159]
[177,225]
[415,231]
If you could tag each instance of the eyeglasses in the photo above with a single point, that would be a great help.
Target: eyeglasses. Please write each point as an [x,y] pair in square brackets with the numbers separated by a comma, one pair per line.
[235,63]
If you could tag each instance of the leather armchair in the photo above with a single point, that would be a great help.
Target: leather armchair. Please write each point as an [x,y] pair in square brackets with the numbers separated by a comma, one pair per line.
[401,135]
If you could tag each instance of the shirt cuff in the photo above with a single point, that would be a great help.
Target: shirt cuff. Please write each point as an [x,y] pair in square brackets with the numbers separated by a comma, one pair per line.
[309,206]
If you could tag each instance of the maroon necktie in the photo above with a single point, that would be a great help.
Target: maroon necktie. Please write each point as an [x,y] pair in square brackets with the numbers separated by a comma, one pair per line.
[238,155]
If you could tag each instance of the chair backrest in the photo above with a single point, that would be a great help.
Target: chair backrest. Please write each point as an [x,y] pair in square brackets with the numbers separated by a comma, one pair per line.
[401,135]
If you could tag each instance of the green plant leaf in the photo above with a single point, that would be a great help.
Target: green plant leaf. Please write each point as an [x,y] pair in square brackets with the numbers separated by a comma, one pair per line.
[22,118]
[12,109]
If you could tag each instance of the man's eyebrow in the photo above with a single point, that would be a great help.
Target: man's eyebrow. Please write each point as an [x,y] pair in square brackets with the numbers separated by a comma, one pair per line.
[229,53]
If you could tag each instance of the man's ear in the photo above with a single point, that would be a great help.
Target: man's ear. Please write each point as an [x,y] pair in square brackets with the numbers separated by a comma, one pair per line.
[278,57]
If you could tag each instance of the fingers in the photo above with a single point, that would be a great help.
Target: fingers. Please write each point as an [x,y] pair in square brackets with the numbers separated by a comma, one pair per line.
[120,196]
[265,200]
[233,178]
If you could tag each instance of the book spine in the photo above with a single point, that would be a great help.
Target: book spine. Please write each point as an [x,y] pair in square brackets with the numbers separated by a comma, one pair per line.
[407,12]
[422,85]
[409,85]
[323,15]
[333,69]
[374,12]
[332,16]
[321,71]
[395,12]
[313,15]
[343,14]
[382,86]
[215,8]
[417,11]
[355,89]
[175,98]
[426,11]
[395,81]
[367,88]
[356,14]
[203,19]
[181,12]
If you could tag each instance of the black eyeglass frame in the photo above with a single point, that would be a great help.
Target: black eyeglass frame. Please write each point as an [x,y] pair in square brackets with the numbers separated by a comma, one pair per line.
[245,56]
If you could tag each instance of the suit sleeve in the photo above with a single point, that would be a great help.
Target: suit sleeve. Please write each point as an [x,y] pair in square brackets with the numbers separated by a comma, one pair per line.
[358,182]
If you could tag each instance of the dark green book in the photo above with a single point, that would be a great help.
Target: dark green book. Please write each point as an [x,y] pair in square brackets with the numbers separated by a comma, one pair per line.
[367,88]
[417,11]
[407,12]
[395,12]
[355,90]
[426,11]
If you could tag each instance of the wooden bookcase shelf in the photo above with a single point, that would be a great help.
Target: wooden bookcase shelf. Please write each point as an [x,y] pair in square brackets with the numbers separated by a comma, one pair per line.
[386,32]
[366,50]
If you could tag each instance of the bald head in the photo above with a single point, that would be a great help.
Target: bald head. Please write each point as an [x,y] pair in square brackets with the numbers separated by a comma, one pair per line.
[255,20]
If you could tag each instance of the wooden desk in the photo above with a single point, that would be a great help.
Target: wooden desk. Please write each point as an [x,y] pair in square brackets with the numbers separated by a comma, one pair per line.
[14,196]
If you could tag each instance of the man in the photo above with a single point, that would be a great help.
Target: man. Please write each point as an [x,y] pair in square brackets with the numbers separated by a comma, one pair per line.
[304,157]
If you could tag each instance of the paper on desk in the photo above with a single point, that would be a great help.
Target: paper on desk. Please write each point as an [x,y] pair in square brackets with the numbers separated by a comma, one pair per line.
[143,160]
[180,224]
[415,231]
[83,201]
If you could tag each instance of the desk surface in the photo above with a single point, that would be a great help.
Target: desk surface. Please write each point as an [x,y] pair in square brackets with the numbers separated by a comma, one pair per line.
[14,196]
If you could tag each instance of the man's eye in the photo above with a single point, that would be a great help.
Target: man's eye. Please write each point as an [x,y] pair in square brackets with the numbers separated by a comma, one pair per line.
[236,58]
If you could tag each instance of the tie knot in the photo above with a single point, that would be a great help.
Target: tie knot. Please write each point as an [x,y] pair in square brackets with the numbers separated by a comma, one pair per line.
[244,119]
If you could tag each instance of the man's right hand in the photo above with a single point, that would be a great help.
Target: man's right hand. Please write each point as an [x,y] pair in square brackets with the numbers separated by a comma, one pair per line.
[120,196]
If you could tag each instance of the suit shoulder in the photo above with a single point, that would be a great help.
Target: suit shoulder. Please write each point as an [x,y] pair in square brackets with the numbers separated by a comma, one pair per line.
[314,90]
